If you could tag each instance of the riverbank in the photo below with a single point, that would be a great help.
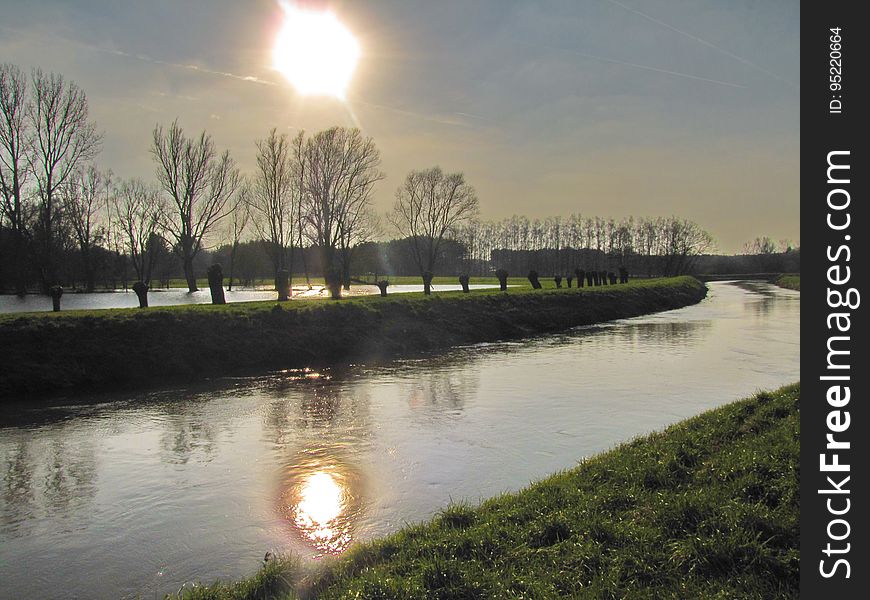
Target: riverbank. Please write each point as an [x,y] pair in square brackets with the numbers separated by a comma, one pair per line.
[80,350]
[706,508]
[790,282]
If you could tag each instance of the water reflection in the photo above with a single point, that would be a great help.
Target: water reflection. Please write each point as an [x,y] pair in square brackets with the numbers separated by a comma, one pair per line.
[321,500]
[443,389]
[57,478]
[766,298]
[683,334]
[187,435]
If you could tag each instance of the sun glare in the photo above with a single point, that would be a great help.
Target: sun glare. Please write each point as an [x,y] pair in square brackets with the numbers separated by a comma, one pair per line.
[315,52]
[319,512]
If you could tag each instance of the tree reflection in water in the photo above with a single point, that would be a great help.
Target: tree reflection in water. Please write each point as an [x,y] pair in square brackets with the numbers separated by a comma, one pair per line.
[57,478]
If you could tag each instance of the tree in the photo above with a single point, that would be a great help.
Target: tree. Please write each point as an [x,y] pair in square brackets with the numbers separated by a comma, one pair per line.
[684,242]
[15,148]
[360,227]
[428,205]
[238,222]
[63,139]
[139,210]
[200,184]
[82,205]
[766,254]
[339,168]
[274,197]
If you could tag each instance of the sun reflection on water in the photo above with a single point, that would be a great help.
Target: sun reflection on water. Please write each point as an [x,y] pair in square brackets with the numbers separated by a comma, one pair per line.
[320,503]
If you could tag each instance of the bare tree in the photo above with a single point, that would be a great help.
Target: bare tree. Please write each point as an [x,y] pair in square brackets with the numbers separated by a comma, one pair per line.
[201,186]
[428,205]
[15,147]
[63,139]
[139,211]
[238,223]
[360,227]
[339,170]
[82,204]
[274,198]
[766,254]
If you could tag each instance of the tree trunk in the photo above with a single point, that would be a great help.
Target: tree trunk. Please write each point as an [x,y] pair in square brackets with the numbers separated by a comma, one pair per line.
[502,279]
[89,271]
[56,292]
[141,289]
[216,284]
[18,269]
[345,275]
[427,282]
[282,285]
[333,282]
[232,263]
[189,274]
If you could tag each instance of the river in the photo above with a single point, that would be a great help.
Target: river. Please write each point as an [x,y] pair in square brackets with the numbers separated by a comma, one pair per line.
[134,495]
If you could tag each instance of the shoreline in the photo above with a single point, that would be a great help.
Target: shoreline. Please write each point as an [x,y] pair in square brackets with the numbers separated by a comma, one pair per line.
[789,281]
[707,507]
[92,350]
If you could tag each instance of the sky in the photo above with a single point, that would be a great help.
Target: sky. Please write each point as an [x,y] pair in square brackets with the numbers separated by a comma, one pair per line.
[604,107]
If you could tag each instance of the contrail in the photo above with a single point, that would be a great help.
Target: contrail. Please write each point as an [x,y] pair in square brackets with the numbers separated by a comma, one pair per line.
[190,67]
[656,69]
[703,41]
[408,113]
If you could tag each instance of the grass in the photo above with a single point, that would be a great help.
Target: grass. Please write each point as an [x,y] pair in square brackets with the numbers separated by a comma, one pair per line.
[275,580]
[791,281]
[111,347]
[708,508]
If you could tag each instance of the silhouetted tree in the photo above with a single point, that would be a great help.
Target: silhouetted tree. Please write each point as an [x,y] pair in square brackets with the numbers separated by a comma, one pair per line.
[84,197]
[429,204]
[138,211]
[201,186]
[63,139]
[274,197]
[15,155]
[339,170]
[238,222]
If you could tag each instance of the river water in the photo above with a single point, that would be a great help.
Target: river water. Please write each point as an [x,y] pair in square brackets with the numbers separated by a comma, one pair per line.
[133,495]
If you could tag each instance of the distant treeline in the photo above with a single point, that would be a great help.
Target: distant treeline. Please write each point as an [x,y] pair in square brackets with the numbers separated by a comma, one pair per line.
[306,209]
[252,262]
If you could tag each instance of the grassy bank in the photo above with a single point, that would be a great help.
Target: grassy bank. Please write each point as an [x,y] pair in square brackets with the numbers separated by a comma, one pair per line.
[791,282]
[708,508]
[77,349]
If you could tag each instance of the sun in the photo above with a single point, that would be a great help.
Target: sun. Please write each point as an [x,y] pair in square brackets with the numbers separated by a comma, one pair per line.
[315,52]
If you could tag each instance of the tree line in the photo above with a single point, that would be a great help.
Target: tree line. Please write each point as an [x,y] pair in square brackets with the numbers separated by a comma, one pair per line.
[307,207]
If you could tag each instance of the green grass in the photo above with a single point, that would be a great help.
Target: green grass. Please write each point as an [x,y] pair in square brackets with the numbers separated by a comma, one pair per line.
[708,508]
[792,282]
[274,581]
